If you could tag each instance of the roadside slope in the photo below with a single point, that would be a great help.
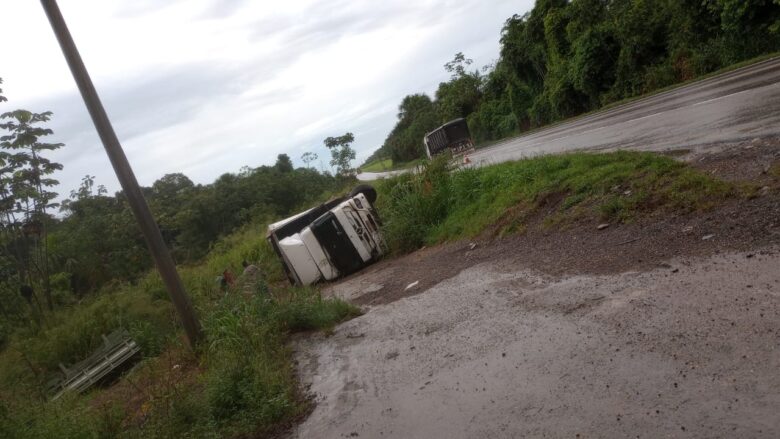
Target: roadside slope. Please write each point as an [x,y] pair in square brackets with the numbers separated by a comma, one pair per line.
[665,325]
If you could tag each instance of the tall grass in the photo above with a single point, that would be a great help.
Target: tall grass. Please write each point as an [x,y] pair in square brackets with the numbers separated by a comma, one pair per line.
[436,205]
[249,384]
[243,382]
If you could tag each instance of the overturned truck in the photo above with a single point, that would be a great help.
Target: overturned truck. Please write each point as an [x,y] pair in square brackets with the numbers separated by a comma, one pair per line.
[334,239]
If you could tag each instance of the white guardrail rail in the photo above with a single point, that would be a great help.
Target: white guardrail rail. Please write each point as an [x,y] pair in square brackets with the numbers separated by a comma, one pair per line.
[117,348]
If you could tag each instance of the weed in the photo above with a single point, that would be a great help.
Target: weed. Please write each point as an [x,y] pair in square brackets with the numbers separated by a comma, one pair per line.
[242,385]
[436,205]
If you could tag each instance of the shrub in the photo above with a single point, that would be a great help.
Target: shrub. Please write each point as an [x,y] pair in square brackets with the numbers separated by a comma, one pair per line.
[435,205]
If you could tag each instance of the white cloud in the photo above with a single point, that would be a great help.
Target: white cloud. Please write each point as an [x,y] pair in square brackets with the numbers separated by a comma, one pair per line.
[207,86]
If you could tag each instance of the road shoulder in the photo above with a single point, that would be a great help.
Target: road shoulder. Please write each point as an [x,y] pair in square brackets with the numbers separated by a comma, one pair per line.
[666,326]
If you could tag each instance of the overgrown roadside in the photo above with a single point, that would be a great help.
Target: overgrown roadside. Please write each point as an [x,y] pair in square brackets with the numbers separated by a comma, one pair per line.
[545,213]
[241,383]
[662,324]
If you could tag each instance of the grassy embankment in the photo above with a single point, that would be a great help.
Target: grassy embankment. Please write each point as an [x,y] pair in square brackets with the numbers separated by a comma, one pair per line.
[241,383]
[435,205]
[377,166]
[385,165]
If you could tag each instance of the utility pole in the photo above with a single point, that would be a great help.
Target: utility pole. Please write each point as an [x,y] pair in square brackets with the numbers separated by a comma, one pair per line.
[124,173]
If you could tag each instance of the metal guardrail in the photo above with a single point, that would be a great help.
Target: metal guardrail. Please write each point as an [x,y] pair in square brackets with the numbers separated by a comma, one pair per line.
[117,348]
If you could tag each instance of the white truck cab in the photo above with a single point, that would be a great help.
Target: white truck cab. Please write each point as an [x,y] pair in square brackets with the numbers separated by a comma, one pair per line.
[334,239]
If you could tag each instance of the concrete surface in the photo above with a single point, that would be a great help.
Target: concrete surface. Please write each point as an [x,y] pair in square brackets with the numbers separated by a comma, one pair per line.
[691,349]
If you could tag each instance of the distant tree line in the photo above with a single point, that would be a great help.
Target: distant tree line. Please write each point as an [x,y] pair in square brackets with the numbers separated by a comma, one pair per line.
[566,57]
[191,217]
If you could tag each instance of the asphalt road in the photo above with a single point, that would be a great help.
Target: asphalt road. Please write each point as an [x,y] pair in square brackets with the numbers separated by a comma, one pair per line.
[734,106]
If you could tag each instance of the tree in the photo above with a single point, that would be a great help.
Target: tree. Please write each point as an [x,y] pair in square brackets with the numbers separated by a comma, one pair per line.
[25,194]
[283,163]
[86,252]
[14,300]
[460,96]
[85,190]
[458,65]
[495,116]
[417,115]
[341,153]
[168,199]
[309,157]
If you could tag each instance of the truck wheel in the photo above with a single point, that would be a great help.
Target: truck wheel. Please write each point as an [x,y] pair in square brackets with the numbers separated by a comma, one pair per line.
[368,191]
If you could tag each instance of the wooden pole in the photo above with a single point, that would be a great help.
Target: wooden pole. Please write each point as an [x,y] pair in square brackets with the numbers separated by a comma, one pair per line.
[124,173]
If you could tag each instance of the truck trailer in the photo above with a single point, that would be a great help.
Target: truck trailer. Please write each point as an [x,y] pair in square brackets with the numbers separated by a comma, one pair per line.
[334,239]
[453,137]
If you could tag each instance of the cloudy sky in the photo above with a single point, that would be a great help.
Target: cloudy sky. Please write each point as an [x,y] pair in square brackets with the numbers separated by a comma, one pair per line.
[205,87]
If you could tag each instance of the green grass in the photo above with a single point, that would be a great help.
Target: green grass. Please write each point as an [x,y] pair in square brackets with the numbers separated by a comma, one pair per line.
[437,205]
[377,166]
[388,165]
[242,384]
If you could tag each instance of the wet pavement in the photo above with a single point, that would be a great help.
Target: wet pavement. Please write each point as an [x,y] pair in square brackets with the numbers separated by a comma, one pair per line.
[739,105]
[690,349]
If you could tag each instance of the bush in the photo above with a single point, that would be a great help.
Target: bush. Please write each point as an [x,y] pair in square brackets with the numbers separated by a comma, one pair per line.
[249,382]
[76,333]
[435,205]
[411,203]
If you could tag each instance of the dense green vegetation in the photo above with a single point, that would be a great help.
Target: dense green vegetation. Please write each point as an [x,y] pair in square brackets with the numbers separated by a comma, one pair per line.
[97,241]
[437,205]
[191,217]
[69,278]
[567,57]
[242,383]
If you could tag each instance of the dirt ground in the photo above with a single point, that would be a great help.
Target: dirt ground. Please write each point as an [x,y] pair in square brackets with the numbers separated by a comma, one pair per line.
[665,327]
[581,248]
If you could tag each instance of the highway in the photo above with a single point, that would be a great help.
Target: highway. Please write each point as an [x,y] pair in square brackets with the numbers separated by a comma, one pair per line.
[737,105]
